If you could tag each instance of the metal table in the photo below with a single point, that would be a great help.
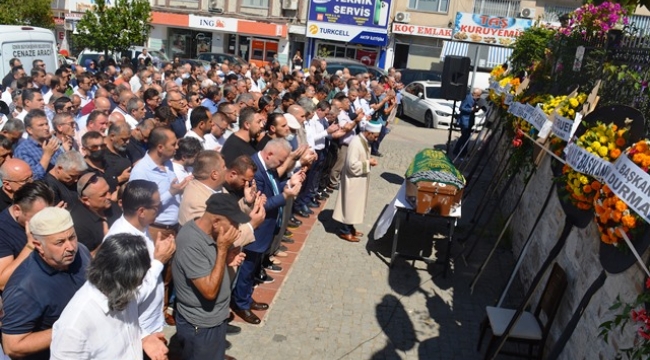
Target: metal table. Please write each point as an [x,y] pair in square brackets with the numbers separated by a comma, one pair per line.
[401,205]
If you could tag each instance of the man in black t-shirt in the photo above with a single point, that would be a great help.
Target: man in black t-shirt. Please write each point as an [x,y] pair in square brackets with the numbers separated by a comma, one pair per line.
[239,143]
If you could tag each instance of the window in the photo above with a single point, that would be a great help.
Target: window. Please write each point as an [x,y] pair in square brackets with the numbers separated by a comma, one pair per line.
[256,3]
[507,8]
[434,92]
[429,5]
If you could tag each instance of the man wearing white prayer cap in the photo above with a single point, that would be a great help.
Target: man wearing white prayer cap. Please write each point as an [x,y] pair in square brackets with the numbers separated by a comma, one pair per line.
[43,284]
[355,182]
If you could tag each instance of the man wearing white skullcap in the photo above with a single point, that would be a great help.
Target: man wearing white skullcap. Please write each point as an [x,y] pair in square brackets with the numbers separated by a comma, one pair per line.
[43,284]
[355,182]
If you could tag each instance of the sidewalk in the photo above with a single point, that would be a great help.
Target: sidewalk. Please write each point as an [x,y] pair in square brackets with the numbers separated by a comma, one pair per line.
[340,300]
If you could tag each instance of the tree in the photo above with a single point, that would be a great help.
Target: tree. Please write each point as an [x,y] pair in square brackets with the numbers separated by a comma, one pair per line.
[114,28]
[27,12]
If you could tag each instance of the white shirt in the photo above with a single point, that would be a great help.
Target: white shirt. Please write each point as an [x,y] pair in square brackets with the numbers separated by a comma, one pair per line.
[316,133]
[152,291]
[6,97]
[212,143]
[84,99]
[192,134]
[87,329]
[188,123]
[130,120]
[22,115]
[47,96]
[135,84]
[180,171]
[254,87]
[344,118]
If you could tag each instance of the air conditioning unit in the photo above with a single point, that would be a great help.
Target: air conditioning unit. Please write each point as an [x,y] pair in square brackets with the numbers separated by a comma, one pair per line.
[290,4]
[214,8]
[527,13]
[403,17]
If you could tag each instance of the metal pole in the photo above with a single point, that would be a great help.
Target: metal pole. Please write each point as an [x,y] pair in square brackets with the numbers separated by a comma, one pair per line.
[475,67]
[451,126]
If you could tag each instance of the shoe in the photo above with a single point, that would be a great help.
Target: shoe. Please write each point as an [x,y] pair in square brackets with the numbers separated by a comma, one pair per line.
[291,224]
[248,316]
[288,233]
[287,240]
[273,268]
[259,306]
[321,197]
[281,254]
[349,237]
[295,221]
[301,213]
[233,330]
[169,319]
[282,248]
[307,210]
[275,260]
[313,204]
[357,233]
[228,357]
[265,279]
[231,317]
[377,154]
[228,345]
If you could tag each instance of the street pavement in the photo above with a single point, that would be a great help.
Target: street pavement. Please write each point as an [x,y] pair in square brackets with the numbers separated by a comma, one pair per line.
[341,300]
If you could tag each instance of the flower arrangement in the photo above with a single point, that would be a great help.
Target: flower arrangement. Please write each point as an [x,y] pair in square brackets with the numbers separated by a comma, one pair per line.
[613,214]
[568,107]
[604,141]
[595,20]
[636,314]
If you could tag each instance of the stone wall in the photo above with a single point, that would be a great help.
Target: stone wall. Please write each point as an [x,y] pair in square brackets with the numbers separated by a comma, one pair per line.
[579,258]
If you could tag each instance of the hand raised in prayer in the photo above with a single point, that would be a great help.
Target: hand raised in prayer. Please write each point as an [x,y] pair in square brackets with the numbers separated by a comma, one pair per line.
[250,192]
[164,248]
[177,187]
[258,213]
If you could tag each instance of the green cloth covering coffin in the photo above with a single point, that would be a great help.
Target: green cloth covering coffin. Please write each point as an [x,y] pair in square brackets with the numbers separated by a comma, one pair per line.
[434,166]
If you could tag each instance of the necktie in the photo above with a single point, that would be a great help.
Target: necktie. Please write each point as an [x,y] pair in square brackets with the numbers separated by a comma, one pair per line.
[276,191]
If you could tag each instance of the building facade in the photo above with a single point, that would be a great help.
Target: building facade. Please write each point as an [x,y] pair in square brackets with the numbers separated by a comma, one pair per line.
[415,34]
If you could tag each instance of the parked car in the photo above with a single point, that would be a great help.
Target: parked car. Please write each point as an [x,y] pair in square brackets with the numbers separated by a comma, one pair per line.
[205,64]
[220,57]
[376,72]
[411,75]
[421,101]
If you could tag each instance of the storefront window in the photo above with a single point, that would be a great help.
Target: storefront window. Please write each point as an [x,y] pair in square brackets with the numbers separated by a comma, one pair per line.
[366,55]
[187,44]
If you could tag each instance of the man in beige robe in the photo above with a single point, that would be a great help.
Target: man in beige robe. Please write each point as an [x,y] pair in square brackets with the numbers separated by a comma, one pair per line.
[355,182]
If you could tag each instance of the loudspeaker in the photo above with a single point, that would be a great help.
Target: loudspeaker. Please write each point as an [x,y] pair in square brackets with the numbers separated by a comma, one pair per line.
[455,75]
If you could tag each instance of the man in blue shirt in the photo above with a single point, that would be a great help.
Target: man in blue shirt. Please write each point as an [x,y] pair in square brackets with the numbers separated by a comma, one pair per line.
[40,150]
[156,166]
[42,285]
[468,109]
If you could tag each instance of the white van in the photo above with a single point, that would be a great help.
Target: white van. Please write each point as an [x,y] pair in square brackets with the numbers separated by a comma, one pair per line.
[27,43]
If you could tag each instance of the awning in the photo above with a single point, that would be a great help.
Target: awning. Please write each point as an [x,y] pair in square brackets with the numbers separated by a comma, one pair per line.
[497,55]
[454,48]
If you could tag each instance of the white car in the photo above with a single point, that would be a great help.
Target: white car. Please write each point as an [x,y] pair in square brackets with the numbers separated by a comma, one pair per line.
[421,101]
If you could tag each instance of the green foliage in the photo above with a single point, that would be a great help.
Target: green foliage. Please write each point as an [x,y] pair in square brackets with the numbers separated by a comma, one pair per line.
[115,28]
[27,12]
[630,314]
[530,47]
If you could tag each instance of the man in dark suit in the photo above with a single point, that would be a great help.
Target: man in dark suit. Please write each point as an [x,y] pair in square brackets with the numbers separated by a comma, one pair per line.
[468,109]
[273,155]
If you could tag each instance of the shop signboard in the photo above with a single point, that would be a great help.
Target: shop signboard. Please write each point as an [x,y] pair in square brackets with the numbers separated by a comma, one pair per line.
[421,30]
[355,21]
[213,23]
[488,29]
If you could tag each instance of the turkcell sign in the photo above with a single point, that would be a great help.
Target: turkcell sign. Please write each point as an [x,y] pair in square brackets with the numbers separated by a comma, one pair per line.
[355,21]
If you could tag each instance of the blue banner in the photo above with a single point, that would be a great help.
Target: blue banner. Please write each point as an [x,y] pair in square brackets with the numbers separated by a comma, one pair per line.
[357,21]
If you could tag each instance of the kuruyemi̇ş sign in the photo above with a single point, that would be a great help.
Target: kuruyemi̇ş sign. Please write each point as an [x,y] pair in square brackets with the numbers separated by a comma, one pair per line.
[487,29]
